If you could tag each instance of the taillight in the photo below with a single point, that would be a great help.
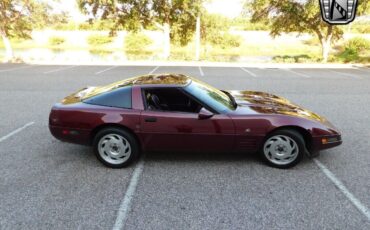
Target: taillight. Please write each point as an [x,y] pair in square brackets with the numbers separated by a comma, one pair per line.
[53,117]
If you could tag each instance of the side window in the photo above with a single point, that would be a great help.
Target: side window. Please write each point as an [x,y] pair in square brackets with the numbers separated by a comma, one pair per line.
[120,98]
[170,99]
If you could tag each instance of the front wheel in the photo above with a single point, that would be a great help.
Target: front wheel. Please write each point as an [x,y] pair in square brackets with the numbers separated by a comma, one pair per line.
[115,148]
[283,148]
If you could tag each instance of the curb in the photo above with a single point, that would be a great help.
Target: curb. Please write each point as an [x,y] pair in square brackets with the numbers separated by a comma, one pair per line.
[210,64]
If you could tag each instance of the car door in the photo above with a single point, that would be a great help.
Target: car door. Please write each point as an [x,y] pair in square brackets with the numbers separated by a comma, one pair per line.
[164,130]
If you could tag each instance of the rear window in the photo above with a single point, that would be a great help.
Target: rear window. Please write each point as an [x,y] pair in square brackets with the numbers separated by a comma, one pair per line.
[120,98]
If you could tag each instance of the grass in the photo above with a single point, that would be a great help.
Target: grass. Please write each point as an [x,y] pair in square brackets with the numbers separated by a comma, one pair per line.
[29,44]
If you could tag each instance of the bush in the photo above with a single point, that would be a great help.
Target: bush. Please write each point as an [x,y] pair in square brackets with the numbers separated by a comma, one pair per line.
[140,55]
[349,55]
[96,40]
[245,24]
[363,28]
[137,42]
[249,26]
[214,31]
[357,44]
[294,59]
[312,41]
[100,52]
[84,26]
[97,25]
[104,25]
[65,26]
[55,41]
[226,40]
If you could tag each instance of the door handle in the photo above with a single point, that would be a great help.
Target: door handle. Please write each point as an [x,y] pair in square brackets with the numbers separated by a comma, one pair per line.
[150,119]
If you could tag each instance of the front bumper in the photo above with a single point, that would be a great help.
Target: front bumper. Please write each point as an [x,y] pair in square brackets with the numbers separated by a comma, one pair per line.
[326,142]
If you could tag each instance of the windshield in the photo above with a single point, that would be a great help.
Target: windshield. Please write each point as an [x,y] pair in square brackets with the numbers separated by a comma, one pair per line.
[213,97]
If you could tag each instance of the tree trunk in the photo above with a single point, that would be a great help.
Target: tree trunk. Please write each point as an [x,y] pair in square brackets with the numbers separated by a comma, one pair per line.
[326,43]
[326,47]
[197,39]
[167,41]
[8,48]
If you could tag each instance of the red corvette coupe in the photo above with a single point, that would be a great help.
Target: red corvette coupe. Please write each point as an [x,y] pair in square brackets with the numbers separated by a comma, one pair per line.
[179,113]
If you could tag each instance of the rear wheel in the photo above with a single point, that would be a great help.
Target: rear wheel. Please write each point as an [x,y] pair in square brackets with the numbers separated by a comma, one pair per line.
[115,148]
[283,148]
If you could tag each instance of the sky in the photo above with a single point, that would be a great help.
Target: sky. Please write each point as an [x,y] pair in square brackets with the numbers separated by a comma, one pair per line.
[229,8]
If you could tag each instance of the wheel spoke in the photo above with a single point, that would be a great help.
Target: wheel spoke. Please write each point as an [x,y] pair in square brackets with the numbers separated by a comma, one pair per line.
[289,149]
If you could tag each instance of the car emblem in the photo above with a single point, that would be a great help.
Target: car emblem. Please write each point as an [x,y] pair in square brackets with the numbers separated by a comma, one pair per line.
[338,11]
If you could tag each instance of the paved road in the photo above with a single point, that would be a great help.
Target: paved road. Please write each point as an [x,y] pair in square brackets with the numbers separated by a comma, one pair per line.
[46,184]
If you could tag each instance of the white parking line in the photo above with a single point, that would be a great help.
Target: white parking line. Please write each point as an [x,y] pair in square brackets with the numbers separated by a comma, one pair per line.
[345,74]
[153,70]
[201,71]
[105,70]
[60,69]
[356,202]
[15,131]
[297,73]
[249,72]
[16,68]
[125,206]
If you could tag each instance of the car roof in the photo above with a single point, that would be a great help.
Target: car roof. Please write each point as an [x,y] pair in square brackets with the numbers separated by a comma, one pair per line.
[155,79]
[162,79]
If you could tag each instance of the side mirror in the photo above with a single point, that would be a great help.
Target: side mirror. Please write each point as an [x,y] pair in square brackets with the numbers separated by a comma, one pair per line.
[204,114]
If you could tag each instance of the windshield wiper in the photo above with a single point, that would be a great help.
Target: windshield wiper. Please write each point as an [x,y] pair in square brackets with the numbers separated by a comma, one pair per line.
[231,98]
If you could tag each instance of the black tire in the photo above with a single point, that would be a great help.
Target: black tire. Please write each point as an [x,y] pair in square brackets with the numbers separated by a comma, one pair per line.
[126,136]
[296,137]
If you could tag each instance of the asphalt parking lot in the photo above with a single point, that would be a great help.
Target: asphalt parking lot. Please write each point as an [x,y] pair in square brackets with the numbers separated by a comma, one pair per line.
[47,184]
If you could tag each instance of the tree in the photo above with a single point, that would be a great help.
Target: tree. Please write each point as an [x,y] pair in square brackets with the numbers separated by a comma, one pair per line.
[43,15]
[213,26]
[298,16]
[13,22]
[16,20]
[135,14]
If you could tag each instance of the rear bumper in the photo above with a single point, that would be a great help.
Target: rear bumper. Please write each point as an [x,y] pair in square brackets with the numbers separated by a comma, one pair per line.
[76,136]
[326,142]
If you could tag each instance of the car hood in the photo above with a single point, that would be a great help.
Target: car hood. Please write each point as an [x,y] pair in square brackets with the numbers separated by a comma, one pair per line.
[265,103]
